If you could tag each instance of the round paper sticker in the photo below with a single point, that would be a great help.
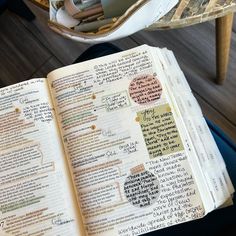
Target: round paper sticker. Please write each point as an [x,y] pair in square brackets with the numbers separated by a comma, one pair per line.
[145,89]
[142,189]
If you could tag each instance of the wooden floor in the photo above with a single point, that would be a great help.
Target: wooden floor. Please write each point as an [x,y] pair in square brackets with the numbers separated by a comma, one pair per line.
[29,50]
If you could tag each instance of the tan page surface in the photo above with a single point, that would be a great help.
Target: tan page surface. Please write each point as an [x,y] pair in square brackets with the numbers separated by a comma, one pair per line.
[35,197]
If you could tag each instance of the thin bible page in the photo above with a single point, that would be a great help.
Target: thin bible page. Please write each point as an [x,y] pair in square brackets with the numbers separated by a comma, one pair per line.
[127,150]
[35,193]
[209,156]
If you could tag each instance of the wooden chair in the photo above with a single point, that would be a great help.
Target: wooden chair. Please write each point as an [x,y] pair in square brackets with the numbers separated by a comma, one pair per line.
[189,12]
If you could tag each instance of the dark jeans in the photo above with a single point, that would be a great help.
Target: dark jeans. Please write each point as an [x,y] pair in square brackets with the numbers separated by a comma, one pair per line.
[219,222]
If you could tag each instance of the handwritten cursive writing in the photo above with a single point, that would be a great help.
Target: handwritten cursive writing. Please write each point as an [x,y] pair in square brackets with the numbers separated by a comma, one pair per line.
[59,221]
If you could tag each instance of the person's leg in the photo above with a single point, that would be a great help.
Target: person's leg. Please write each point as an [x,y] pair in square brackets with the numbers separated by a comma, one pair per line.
[226,147]
[96,51]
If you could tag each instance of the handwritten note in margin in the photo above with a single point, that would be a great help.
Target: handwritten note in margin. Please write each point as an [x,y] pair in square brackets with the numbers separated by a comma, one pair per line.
[160,131]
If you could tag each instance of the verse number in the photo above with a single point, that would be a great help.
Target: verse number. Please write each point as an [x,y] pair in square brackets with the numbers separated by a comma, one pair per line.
[2,224]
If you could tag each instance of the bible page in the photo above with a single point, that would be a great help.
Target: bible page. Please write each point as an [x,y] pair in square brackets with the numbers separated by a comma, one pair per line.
[210,158]
[128,158]
[35,193]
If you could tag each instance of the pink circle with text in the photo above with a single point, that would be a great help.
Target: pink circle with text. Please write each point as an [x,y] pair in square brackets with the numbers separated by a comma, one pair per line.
[145,89]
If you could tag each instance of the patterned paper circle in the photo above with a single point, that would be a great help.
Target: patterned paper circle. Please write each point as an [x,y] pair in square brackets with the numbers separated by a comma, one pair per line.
[142,189]
[145,89]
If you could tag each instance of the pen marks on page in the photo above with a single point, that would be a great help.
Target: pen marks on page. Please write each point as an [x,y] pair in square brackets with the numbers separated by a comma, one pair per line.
[25,172]
[94,175]
[141,187]
[130,147]
[29,191]
[116,101]
[125,66]
[22,162]
[38,112]
[145,89]
[160,131]
[2,223]
[59,220]
[96,200]
[14,130]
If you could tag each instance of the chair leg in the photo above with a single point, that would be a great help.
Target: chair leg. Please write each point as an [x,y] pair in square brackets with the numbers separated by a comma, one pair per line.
[223,40]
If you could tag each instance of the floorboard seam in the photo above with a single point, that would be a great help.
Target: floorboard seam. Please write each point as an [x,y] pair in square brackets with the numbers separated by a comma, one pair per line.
[30,77]
[38,40]
[135,41]
[217,111]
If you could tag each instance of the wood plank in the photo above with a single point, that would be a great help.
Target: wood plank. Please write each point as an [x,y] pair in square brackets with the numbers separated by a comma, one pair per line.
[125,43]
[50,65]
[213,115]
[64,49]
[194,48]
[21,53]
[53,63]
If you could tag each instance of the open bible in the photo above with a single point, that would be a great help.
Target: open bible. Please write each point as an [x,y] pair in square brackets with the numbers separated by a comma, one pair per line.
[113,146]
